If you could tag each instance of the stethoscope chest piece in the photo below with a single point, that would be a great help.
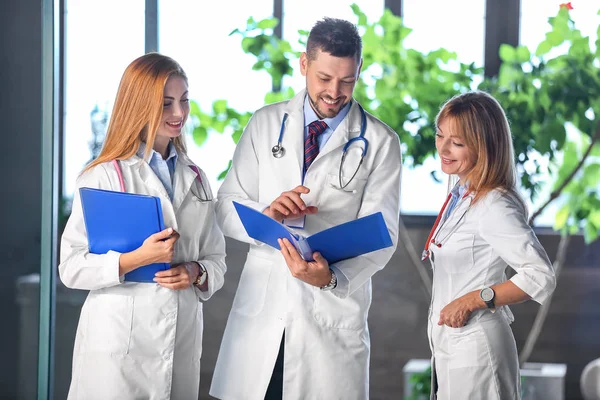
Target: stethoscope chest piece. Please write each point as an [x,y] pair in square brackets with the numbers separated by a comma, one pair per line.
[278,151]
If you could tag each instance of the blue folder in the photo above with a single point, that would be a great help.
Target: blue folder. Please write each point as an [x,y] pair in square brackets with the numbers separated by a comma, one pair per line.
[121,222]
[347,240]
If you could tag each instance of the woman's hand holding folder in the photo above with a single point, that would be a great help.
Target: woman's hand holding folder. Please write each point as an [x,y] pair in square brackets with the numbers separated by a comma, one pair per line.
[157,248]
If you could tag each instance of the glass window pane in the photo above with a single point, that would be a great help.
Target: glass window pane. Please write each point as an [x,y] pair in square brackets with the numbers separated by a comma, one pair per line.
[196,34]
[439,24]
[100,43]
[101,39]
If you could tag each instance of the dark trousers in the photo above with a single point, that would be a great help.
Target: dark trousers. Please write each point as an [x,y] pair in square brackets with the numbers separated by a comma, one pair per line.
[275,388]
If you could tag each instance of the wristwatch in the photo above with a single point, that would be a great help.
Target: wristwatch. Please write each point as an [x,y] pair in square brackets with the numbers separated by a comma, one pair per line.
[487,294]
[332,282]
[201,276]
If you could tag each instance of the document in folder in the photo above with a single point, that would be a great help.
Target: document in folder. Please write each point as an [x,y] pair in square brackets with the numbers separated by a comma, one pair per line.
[347,240]
[121,222]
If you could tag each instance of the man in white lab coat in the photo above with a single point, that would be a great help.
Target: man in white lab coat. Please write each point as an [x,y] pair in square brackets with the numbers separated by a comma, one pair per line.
[297,329]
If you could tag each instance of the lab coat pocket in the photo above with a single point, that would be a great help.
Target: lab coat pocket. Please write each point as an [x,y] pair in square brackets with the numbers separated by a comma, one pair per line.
[109,323]
[250,296]
[468,347]
[339,205]
[460,252]
[350,313]
[470,372]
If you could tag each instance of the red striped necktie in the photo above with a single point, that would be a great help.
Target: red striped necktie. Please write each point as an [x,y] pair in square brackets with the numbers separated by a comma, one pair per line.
[311,145]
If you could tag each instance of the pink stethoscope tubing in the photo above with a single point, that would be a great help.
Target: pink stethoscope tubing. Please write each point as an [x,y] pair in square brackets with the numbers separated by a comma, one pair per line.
[426,251]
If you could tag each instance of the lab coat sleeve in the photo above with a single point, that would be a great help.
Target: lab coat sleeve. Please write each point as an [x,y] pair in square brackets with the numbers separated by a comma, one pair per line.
[503,224]
[212,252]
[79,269]
[241,185]
[381,193]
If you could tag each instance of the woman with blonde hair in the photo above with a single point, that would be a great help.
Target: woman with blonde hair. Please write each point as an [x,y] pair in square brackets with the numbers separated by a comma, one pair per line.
[144,340]
[481,229]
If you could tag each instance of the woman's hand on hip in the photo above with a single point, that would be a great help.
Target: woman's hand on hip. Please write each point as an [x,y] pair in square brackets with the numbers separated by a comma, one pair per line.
[179,276]
[457,313]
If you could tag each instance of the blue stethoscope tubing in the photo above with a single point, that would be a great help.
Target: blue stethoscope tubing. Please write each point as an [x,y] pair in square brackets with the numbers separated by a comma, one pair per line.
[278,150]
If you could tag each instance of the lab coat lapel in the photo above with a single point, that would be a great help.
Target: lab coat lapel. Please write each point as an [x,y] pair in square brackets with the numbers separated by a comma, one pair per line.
[439,225]
[183,178]
[350,127]
[456,217]
[293,137]
[142,171]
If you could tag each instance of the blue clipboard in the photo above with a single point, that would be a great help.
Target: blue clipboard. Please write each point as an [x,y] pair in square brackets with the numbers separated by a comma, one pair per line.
[121,222]
[347,240]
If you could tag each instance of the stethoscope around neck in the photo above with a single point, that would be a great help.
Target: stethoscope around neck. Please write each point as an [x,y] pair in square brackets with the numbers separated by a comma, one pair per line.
[278,150]
[431,239]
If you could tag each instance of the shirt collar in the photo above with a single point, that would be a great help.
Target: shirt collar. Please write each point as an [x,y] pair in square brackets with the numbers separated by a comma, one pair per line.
[459,190]
[310,115]
[153,153]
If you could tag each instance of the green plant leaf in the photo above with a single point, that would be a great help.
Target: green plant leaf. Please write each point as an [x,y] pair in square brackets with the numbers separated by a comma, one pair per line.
[194,108]
[590,232]
[205,120]
[556,38]
[219,106]
[223,174]
[591,175]
[200,134]
[268,23]
[522,54]
[507,53]
[543,48]
[594,217]
[561,218]
[236,135]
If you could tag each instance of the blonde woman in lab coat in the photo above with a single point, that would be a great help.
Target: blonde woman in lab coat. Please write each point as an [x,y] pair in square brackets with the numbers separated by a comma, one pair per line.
[144,340]
[481,229]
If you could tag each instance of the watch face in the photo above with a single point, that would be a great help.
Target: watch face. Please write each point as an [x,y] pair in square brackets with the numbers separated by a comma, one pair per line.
[487,294]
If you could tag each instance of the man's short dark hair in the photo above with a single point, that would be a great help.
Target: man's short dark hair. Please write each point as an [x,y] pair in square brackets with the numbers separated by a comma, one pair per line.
[334,36]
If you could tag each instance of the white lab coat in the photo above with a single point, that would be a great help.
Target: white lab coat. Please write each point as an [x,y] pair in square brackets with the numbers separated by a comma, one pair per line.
[326,335]
[141,340]
[479,360]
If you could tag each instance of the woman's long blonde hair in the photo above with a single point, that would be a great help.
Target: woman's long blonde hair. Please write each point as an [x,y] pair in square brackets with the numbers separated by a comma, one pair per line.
[138,108]
[479,120]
